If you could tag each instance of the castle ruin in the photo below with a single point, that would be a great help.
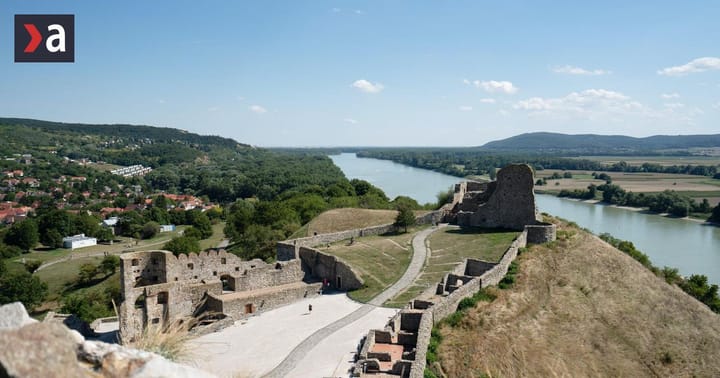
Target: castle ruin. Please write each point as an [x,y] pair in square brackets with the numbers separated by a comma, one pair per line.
[158,287]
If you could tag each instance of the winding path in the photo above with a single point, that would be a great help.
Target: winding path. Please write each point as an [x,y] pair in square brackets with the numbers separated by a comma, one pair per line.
[420,253]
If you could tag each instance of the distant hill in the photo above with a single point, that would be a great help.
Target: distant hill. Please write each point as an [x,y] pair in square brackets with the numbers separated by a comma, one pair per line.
[157,134]
[590,143]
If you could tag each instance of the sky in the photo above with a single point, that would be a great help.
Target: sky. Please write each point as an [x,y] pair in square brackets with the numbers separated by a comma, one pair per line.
[376,73]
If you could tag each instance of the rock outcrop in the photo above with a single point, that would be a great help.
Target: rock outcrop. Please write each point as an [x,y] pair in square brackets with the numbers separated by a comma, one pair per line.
[50,349]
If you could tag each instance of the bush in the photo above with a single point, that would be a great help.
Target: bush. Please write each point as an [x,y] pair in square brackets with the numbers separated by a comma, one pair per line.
[24,287]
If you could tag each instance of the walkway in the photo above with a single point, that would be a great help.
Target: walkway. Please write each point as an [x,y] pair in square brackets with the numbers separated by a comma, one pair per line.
[296,358]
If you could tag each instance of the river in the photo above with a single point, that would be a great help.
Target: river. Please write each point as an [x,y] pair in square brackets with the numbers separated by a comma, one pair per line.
[689,246]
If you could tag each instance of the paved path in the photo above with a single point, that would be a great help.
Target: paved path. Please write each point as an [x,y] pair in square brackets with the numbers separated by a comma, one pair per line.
[420,253]
[306,346]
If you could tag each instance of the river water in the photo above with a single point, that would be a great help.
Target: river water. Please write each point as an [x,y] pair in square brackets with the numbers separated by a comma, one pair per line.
[689,246]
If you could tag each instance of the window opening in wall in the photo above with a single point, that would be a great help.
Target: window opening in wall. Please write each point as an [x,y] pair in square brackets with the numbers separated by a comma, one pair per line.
[156,321]
[135,262]
[162,297]
[155,261]
[191,266]
[140,301]
[278,266]
[214,273]
[223,261]
[237,268]
[339,283]
[194,277]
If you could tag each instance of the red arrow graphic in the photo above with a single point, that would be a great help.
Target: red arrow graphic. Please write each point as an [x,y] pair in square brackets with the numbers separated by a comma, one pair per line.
[35,36]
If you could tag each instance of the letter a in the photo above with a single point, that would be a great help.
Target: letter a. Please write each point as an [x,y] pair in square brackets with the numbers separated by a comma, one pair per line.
[60,37]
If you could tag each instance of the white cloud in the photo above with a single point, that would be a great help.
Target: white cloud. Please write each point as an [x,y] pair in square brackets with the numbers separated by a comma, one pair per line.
[717,105]
[367,86]
[487,100]
[572,70]
[466,82]
[257,109]
[674,105]
[350,121]
[588,103]
[358,11]
[493,86]
[336,10]
[668,96]
[465,108]
[696,65]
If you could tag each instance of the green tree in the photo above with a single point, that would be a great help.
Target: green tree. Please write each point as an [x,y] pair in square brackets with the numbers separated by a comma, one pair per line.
[200,221]
[192,232]
[88,306]
[109,264]
[32,265]
[240,215]
[23,234]
[405,218]
[149,230]
[24,287]
[105,234]
[52,238]
[121,202]
[182,244]
[87,272]
[715,216]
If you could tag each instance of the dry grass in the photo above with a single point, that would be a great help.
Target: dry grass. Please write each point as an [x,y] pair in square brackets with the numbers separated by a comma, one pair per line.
[350,218]
[581,308]
[169,341]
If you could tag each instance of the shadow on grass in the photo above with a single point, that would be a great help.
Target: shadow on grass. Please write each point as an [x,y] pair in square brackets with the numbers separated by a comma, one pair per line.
[77,285]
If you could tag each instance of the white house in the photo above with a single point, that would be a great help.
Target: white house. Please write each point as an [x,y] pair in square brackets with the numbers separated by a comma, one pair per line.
[78,241]
[167,227]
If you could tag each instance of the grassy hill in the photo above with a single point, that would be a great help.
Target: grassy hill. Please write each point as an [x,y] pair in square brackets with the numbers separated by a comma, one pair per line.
[555,142]
[580,307]
[347,219]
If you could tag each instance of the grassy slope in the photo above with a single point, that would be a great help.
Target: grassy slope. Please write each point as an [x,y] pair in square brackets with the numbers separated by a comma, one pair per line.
[582,308]
[380,260]
[448,248]
[347,219]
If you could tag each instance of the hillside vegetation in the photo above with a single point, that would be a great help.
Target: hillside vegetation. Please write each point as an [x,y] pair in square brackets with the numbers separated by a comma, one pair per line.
[554,142]
[579,308]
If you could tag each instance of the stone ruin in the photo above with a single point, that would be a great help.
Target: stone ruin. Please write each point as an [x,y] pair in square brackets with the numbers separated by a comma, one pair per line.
[508,202]
[159,287]
[399,350]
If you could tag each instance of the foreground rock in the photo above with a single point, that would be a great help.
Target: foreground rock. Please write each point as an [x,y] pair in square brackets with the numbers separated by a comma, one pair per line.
[31,349]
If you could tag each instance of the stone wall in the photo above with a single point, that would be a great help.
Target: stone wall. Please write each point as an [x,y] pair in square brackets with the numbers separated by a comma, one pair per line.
[158,286]
[241,305]
[541,233]
[289,249]
[508,202]
[322,266]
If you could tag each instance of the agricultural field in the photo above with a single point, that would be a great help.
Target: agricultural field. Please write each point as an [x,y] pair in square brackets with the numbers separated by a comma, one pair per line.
[448,247]
[698,187]
[661,160]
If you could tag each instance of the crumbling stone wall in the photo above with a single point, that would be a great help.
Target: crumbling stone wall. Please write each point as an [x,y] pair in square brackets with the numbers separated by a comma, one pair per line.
[158,287]
[339,274]
[508,202]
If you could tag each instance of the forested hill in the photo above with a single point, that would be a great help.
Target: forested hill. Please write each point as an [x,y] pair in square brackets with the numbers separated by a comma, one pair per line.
[589,143]
[133,132]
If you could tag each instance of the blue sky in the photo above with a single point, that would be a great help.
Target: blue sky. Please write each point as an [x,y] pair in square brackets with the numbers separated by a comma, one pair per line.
[385,73]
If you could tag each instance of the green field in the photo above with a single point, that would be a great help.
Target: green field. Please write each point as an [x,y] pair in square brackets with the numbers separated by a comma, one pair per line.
[449,247]
[380,260]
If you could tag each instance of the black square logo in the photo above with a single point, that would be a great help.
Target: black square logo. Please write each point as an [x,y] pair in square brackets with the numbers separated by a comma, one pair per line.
[44,38]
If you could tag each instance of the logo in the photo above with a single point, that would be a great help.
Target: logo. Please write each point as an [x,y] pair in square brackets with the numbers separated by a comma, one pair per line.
[44,38]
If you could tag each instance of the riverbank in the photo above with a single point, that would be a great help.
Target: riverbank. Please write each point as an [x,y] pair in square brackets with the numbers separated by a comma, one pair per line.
[641,210]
